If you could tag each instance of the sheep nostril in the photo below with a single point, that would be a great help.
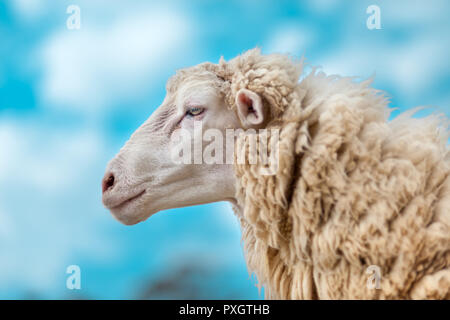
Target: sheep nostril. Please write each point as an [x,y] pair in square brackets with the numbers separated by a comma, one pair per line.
[108,182]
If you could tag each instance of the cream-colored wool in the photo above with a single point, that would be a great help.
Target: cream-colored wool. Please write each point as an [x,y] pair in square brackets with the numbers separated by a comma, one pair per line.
[352,189]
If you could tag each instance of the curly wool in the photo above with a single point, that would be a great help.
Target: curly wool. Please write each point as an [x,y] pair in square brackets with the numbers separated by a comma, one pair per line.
[352,190]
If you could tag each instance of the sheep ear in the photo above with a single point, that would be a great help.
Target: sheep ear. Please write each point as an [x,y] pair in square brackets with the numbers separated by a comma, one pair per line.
[249,107]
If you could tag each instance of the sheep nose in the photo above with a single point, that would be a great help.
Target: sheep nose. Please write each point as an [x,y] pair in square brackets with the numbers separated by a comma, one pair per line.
[108,182]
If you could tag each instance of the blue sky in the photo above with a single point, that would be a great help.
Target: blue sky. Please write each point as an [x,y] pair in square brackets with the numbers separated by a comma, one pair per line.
[70,98]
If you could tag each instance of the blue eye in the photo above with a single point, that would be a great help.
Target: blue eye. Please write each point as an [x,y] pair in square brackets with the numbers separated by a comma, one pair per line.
[194,111]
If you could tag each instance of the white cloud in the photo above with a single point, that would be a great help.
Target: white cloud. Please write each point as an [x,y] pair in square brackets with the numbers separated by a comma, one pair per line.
[227,217]
[44,159]
[410,67]
[290,38]
[49,182]
[29,9]
[415,66]
[413,13]
[98,65]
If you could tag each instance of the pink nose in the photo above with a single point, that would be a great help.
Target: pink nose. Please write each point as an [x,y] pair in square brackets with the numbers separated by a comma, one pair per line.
[108,182]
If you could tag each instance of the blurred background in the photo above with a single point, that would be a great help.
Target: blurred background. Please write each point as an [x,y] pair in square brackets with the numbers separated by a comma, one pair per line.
[70,98]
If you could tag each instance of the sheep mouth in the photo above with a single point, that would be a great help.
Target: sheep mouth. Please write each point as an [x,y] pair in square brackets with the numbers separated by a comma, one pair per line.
[128,201]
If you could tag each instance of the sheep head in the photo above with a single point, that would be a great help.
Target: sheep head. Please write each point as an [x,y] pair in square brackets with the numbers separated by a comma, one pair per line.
[202,104]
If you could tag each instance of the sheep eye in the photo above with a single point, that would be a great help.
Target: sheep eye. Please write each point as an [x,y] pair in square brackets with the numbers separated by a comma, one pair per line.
[194,111]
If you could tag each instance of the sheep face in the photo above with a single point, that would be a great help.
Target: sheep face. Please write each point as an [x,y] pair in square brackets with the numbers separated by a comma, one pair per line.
[148,176]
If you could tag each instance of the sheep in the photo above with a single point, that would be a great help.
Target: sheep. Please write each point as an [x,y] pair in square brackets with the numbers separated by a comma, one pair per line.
[359,206]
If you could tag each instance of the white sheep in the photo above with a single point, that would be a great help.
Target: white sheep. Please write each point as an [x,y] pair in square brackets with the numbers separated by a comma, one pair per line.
[357,208]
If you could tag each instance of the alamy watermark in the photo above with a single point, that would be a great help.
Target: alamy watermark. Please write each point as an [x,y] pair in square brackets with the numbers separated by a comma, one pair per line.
[73,22]
[373,282]
[374,20]
[73,281]
[213,146]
